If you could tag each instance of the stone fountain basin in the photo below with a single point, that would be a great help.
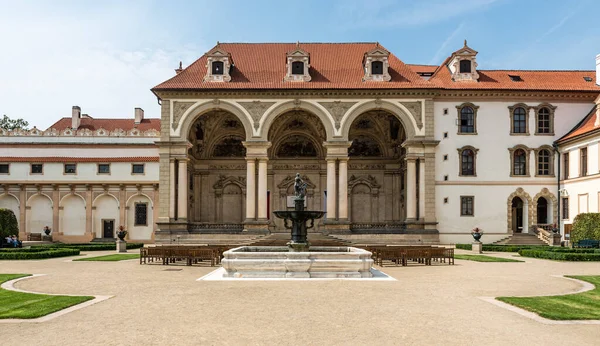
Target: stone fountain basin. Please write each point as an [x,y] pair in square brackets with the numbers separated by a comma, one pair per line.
[279,262]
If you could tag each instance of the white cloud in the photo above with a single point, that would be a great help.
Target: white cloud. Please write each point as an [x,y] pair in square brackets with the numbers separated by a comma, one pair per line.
[104,60]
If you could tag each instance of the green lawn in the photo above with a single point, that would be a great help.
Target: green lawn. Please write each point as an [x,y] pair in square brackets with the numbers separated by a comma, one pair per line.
[580,306]
[110,258]
[482,258]
[30,305]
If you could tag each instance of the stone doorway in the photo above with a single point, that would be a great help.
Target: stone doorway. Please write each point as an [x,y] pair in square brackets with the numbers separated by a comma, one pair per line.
[517,215]
[108,228]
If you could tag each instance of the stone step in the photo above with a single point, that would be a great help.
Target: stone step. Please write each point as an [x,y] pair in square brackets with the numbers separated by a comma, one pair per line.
[521,239]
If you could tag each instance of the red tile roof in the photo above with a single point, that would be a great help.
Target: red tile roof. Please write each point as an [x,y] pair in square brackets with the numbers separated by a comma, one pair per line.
[423,68]
[78,159]
[585,127]
[530,80]
[92,124]
[262,66]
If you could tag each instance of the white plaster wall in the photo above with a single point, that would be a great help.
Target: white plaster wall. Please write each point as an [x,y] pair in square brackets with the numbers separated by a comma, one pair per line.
[11,202]
[77,151]
[72,216]
[39,214]
[107,207]
[574,152]
[139,232]
[88,172]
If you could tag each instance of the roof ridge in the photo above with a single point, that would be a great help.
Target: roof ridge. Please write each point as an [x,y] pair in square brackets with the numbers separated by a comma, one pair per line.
[360,42]
[531,70]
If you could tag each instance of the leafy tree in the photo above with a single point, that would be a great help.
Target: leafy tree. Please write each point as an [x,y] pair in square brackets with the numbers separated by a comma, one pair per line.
[586,226]
[13,124]
[8,223]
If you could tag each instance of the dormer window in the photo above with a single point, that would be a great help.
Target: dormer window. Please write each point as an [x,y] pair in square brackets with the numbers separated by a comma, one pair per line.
[376,65]
[298,65]
[218,65]
[298,68]
[465,66]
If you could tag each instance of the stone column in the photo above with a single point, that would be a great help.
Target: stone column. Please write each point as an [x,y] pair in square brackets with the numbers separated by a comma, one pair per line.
[23,213]
[422,189]
[88,212]
[172,189]
[343,189]
[411,189]
[262,189]
[331,196]
[55,209]
[182,191]
[250,189]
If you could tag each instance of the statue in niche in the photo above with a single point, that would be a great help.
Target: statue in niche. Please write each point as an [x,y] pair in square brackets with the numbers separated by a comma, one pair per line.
[229,147]
[364,146]
[297,146]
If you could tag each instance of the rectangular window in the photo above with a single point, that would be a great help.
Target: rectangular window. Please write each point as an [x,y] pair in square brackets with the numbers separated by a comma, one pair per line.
[466,205]
[566,165]
[565,208]
[70,168]
[4,168]
[137,168]
[544,123]
[141,214]
[582,162]
[520,125]
[104,168]
[37,168]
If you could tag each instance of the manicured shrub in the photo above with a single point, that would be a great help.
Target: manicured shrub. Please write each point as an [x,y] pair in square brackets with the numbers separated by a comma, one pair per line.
[586,226]
[561,256]
[20,254]
[8,223]
[91,246]
[464,246]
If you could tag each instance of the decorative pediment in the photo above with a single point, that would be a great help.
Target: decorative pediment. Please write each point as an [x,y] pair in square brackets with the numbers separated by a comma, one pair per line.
[376,65]
[298,52]
[226,180]
[290,180]
[84,132]
[378,52]
[368,180]
[218,65]
[101,132]
[463,64]
[118,132]
[298,65]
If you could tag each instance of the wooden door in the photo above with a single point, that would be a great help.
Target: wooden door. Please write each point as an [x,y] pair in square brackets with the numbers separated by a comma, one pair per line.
[108,227]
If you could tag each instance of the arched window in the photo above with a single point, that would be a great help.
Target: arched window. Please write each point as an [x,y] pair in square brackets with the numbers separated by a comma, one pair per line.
[519,123]
[465,66]
[467,162]
[297,67]
[467,120]
[377,67]
[543,122]
[519,162]
[217,67]
[544,162]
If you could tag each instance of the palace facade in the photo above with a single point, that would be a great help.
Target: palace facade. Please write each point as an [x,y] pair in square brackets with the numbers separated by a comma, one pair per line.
[409,153]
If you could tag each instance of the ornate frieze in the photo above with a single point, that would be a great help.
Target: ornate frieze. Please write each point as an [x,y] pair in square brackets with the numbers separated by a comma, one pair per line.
[365,166]
[232,167]
[256,109]
[296,166]
[415,109]
[178,109]
[337,109]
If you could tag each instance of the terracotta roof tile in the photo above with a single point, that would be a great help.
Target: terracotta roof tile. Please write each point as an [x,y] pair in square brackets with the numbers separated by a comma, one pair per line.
[584,127]
[262,66]
[423,68]
[78,159]
[108,124]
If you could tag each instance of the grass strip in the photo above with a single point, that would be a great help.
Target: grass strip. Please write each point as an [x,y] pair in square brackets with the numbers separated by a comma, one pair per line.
[110,258]
[32,305]
[580,306]
[482,258]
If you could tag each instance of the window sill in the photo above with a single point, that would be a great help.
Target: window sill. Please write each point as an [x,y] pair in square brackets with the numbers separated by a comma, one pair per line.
[467,216]
[467,133]
[545,176]
[520,176]
[544,134]
[519,134]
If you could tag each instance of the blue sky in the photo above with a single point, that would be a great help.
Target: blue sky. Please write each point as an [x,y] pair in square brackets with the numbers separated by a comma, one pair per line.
[105,55]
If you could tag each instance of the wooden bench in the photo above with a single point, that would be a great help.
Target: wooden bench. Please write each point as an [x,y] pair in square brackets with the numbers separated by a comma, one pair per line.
[587,243]
[34,236]
[190,254]
[423,254]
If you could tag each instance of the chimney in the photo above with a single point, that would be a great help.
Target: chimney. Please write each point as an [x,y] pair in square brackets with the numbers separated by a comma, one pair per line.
[75,117]
[598,69]
[139,115]
[178,70]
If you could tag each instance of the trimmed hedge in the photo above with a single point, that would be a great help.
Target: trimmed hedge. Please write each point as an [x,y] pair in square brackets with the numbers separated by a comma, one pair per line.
[91,246]
[464,246]
[586,226]
[8,223]
[27,255]
[561,256]
[502,248]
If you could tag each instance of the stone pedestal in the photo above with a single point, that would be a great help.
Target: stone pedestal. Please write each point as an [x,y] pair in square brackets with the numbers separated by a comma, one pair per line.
[477,247]
[121,245]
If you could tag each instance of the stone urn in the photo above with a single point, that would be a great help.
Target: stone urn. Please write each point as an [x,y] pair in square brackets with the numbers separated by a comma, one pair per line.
[476,233]
[47,230]
[121,234]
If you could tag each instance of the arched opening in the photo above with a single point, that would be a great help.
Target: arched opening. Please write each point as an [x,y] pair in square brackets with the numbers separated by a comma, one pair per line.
[10,202]
[297,146]
[518,220]
[72,216]
[376,163]
[140,221]
[542,211]
[39,213]
[106,216]
[216,157]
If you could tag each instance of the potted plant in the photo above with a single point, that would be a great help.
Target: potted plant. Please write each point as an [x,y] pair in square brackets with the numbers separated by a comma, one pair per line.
[47,230]
[121,233]
[554,228]
[476,233]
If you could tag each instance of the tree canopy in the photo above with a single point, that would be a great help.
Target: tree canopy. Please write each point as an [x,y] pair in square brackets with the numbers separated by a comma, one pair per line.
[13,124]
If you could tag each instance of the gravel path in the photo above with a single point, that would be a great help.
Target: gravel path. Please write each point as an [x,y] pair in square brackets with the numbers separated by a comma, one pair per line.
[435,305]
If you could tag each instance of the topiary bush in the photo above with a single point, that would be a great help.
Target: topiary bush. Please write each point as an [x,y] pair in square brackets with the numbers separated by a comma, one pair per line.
[27,254]
[586,226]
[8,223]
